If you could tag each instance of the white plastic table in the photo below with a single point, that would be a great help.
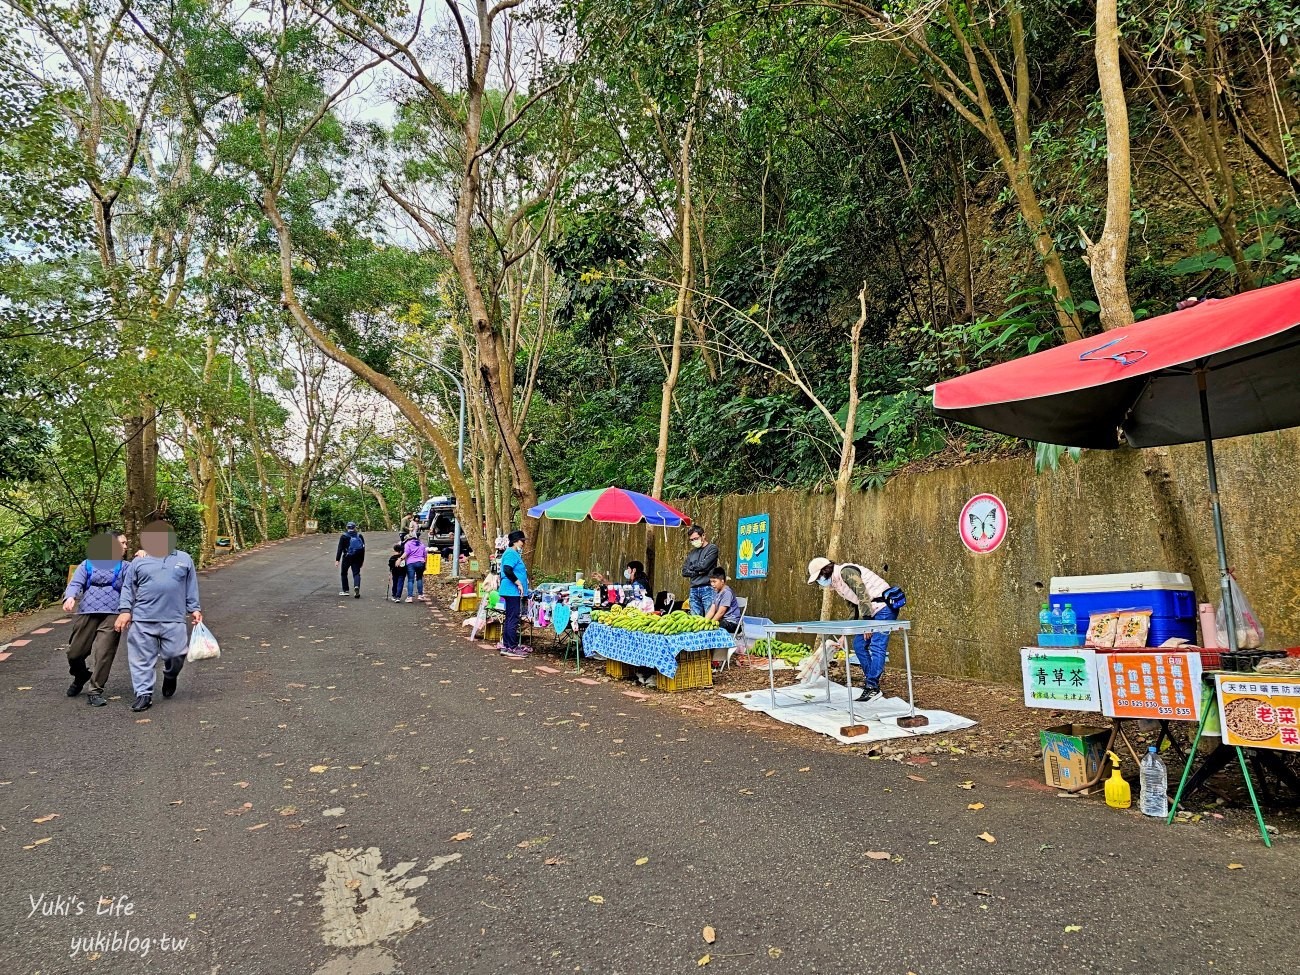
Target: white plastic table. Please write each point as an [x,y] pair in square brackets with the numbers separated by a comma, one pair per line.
[840,629]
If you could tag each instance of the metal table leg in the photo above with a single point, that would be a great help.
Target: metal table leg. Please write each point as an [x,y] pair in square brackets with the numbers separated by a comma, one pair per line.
[907,659]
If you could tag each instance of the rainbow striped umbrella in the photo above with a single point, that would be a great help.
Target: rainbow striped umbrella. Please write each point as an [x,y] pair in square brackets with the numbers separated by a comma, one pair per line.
[610,504]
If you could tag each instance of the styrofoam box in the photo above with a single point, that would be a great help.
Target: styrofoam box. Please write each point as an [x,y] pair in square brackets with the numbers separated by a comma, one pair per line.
[1168,595]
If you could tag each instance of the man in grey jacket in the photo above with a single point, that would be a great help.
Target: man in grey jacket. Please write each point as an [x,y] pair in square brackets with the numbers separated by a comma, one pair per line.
[698,567]
[158,589]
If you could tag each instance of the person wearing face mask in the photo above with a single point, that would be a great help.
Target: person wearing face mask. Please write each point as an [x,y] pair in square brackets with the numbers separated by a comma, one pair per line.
[513,590]
[698,568]
[864,591]
[350,556]
[634,575]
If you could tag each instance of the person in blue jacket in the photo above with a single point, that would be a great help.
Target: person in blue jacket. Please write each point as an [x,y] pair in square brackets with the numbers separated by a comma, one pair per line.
[513,590]
[350,556]
[97,583]
[160,586]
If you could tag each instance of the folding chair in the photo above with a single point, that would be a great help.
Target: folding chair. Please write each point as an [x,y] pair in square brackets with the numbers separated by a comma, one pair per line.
[742,602]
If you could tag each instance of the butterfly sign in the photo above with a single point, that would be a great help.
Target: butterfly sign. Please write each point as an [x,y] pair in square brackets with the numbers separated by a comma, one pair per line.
[983,523]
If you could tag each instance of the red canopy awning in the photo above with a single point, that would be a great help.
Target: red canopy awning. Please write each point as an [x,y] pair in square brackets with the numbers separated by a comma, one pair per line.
[1142,380]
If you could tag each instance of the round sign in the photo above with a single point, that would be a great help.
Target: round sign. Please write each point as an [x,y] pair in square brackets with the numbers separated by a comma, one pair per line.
[983,523]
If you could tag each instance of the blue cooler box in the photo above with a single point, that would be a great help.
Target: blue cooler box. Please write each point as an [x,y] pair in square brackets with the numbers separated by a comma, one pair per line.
[1168,595]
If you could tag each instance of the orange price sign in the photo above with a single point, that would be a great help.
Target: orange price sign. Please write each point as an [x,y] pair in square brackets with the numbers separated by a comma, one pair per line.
[1158,686]
[1259,712]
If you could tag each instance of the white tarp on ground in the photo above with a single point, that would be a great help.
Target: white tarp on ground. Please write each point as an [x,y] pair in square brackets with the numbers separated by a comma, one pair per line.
[806,705]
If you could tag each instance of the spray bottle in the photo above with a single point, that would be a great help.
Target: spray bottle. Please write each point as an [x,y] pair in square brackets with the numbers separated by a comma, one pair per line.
[1118,793]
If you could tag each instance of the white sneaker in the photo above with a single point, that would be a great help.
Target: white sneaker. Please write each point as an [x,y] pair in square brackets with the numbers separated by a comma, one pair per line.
[344,592]
[409,599]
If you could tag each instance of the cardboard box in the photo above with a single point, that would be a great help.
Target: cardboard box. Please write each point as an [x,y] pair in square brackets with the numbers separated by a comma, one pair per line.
[1073,754]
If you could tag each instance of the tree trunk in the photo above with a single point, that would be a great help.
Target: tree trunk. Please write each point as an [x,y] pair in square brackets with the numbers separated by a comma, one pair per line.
[848,454]
[1108,257]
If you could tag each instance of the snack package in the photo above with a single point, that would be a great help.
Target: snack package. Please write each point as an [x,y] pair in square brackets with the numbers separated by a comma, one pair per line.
[1101,630]
[1133,629]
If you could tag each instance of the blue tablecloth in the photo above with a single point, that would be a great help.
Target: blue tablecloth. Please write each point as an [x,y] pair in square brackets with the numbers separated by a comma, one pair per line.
[649,649]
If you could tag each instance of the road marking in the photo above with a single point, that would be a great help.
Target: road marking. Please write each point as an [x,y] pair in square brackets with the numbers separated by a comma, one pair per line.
[363,903]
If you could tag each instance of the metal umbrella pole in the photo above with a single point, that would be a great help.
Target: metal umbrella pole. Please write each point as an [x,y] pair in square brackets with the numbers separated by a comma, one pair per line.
[1225,587]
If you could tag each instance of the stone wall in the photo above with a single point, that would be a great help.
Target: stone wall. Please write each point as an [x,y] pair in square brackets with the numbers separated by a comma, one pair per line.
[971,613]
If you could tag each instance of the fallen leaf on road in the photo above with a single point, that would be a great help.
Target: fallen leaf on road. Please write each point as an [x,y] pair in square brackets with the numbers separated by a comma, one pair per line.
[934,900]
[596,899]
[25,688]
[333,813]
[1231,866]
[704,960]
[143,720]
[288,810]
[535,841]
[1072,928]
[38,843]
[466,835]
[642,861]
[917,778]
[194,917]
[988,837]
[258,826]
[806,768]
[552,862]
[968,784]
[319,768]
[746,792]
[877,855]
[709,934]
[46,818]
[774,952]
[977,806]
[352,884]
[241,785]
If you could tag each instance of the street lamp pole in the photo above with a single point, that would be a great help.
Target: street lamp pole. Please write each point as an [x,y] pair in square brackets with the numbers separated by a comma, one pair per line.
[460,456]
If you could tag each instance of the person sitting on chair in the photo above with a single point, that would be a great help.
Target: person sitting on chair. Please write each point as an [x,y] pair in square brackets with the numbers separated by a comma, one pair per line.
[725,609]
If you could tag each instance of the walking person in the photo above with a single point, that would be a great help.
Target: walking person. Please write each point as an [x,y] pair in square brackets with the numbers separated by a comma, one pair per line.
[158,588]
[864,591]
[416,554]
[349,556]
[98,584]
[698,568]
[513,591]
[397,570]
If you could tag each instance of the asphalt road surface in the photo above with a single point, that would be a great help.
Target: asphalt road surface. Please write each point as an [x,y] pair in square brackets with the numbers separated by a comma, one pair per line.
[354,789]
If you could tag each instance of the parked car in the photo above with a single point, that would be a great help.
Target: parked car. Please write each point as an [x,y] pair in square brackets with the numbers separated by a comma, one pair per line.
[438,518]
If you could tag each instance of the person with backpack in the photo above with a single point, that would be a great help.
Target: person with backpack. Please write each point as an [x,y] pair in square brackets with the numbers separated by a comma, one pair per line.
[349,557]
[870,597]
[97,582]
[416,554]
[159,587]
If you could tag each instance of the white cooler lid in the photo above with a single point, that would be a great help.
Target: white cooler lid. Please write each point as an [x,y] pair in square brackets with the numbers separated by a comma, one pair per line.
[1120,582]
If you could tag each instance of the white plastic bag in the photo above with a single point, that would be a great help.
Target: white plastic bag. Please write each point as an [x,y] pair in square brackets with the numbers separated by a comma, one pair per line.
[203,645]
[1250,632]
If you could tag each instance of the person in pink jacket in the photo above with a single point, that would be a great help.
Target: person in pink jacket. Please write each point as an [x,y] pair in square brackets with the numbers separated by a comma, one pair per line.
[416,554]
[864,591]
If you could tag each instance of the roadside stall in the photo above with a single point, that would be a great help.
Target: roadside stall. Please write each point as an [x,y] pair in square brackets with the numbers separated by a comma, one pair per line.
[1219,368]
[568,608]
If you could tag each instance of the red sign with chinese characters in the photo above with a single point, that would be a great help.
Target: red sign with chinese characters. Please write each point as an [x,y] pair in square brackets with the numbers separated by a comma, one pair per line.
[1159,686]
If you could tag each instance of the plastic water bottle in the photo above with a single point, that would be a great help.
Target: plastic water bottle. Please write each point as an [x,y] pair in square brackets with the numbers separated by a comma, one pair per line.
[1058,622]
[1069,621]
[1045,619]
[1155,785]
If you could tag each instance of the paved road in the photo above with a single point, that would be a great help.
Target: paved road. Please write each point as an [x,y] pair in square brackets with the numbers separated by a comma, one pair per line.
[295,810]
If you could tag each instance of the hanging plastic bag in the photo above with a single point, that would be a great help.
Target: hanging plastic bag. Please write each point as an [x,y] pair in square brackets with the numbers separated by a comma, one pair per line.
[203,645]
[1250,632]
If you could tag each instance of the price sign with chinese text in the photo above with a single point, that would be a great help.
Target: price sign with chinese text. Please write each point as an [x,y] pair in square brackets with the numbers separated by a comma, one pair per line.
[752,547]
[1259,711]
[1059,678]
[1158,686]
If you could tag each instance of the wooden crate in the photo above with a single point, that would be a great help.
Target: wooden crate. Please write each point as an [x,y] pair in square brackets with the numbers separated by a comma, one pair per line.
[693,671]
[619,670]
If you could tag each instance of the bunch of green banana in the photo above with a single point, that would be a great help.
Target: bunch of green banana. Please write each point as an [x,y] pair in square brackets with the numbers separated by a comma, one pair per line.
[634,620]
[789,652]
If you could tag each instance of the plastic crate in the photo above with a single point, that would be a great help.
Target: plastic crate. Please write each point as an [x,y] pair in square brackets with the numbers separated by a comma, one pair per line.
[619,670]
[693,671]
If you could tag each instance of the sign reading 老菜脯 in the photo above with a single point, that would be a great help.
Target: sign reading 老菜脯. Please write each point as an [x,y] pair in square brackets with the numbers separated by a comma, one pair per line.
[1259,711]
[1162,686]
[982,524]
[1064,679]
[752,547]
